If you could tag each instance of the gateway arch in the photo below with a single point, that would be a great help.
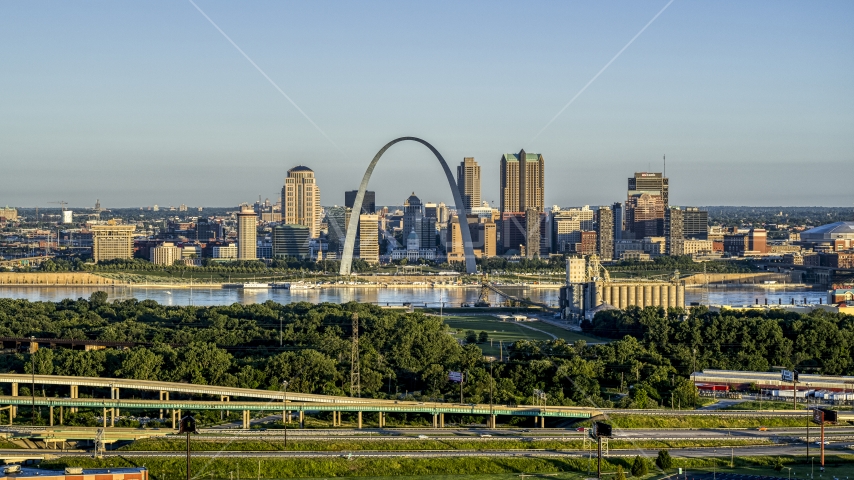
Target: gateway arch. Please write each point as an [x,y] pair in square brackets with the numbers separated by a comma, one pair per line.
[350,241]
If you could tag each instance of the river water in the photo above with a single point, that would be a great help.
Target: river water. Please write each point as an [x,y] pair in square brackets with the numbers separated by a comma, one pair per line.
[453,296]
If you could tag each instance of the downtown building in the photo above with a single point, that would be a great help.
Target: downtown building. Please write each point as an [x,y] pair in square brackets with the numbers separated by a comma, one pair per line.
[468,181]
[648,197]
[247,233]
[522,186]
[301,200]
[112,241]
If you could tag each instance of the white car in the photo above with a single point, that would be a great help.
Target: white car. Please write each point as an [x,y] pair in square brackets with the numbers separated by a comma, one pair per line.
[422,437]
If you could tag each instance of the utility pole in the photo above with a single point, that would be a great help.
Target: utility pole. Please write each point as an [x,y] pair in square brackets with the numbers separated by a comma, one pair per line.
[355,382]
[285,413]
[33,371]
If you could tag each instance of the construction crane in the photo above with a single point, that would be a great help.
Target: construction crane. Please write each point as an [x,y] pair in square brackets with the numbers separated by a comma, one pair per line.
[61,203]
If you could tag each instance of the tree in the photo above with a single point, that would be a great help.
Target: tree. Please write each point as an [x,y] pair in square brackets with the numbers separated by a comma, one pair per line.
[664,460]
[482,337]
[141,364]
[621,474]
[471,336]
[98,298]
[639,467]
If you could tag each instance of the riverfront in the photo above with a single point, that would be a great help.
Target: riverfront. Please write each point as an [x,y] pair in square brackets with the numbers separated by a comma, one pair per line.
[449,296]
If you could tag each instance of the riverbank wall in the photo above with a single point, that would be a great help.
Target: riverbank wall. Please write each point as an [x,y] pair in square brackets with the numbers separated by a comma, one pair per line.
[62,279]
[743,278]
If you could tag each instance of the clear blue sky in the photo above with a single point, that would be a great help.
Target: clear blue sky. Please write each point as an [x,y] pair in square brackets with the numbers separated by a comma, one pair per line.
[138,103]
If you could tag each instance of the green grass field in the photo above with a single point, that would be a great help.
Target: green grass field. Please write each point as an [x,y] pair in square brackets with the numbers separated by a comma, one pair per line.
[348,445]
[755,405]
[508,332]
[623,420]
[474,468]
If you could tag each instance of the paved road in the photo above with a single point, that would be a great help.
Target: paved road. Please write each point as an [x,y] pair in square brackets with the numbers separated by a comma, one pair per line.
[756,451]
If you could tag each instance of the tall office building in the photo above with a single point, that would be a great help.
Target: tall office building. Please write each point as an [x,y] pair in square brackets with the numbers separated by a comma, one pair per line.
[369,239]
[412,214]
[532,233]
[617,208]
[522,189]
[567,225]
[337,220]
[208,230]
[247,231]
[522,182]
[468,181]
[648,193]
[645,216]
[696,223]
[674,237]
[301,200]
[513,231]
[291,241]
[605,233]
[651,183]
[369,203]
[112,241]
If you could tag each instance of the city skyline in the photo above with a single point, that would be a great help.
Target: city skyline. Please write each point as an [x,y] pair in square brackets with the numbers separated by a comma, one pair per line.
[127,102]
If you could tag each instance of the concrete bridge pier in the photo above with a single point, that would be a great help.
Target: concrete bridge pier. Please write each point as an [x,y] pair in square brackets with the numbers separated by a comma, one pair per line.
[51,415]
[381,419]
[246,419]
[490,422]
[360,420]
[435,421]
[14,411]
[223,398]
[301,419]
[164,396]
[114,394]
[61,408]
[74,393]
[441,420]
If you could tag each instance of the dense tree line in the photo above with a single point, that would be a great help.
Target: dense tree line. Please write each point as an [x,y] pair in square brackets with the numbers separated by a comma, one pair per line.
[817,342]
[682,263]
[648,363]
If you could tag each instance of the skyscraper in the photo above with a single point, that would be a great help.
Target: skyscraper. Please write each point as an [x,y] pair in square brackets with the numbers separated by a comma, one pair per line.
[468,181]
[605,233]
[412,215]
[645,216]
[656,188]
[651,183]
[522,182]
[291,241]
[522,189]
[674,237]
[696,223]
[247,225]
[301,200]
[369,203]
[617,208]
[369,240]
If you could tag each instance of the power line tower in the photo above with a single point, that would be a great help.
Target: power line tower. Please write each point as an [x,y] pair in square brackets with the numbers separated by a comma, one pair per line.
[355,383]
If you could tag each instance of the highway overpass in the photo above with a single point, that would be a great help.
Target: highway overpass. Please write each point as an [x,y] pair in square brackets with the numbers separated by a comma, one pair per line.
[272,401]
